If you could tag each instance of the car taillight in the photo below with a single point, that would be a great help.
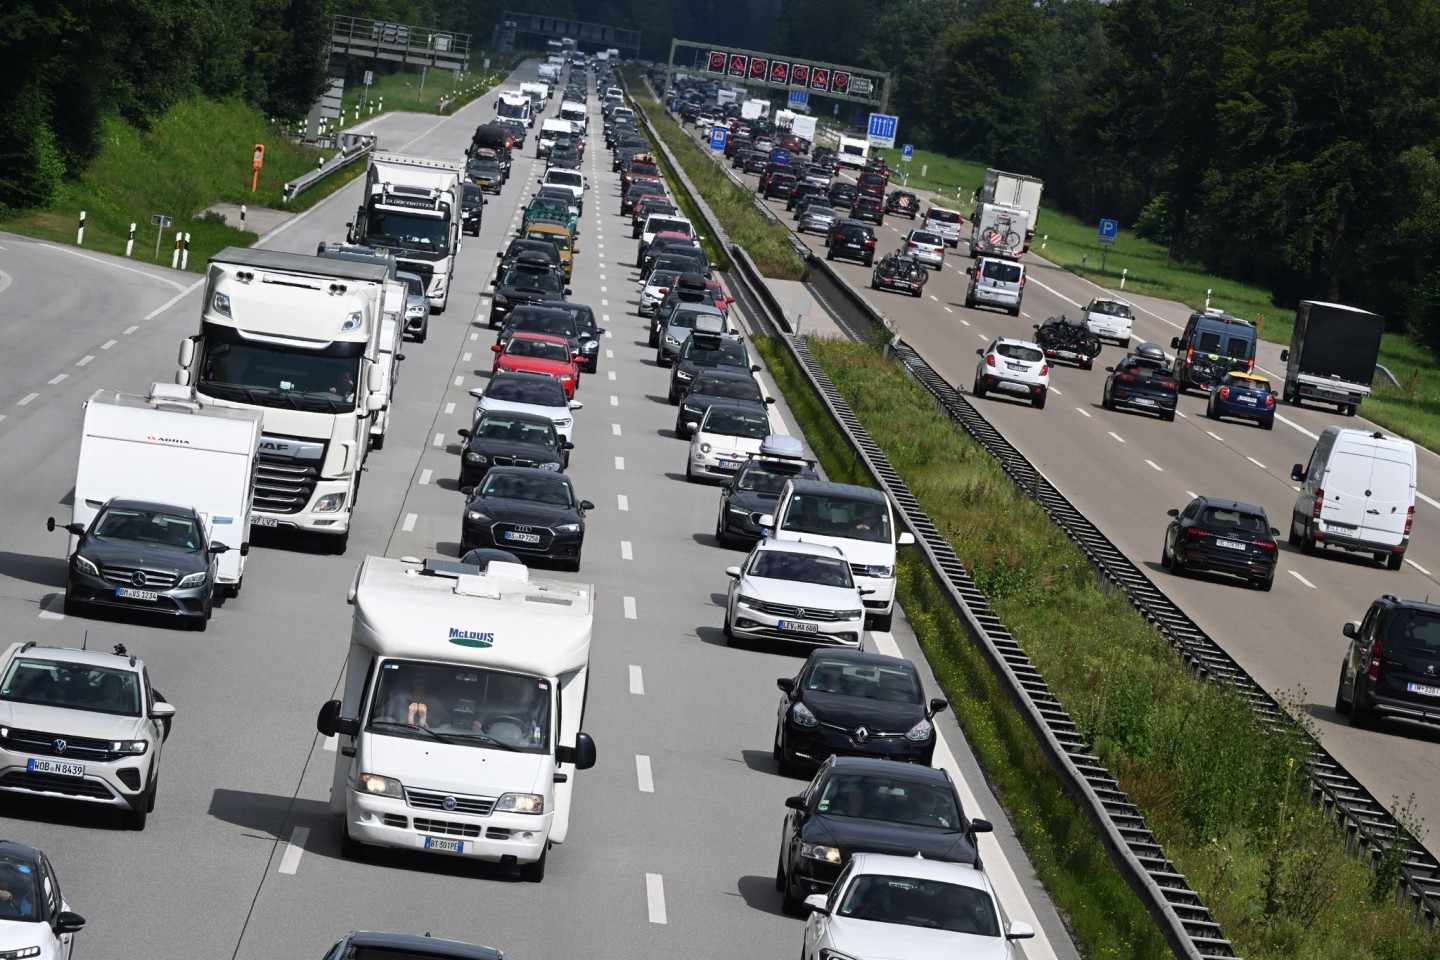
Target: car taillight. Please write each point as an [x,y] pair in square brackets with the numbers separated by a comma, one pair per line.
[1125,377]
[1250,365]
[1375,651]
[1265,544]
[1224,392]
[1269,399]
[1409,518]
[913,245]
[1022,281]
[1044,369]
[989,359]
[1319,502]
[1189,354]
[870,242]
[1194,532]
[1170,385]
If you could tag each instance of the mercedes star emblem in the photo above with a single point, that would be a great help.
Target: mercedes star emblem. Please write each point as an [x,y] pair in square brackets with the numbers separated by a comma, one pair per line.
[139,578]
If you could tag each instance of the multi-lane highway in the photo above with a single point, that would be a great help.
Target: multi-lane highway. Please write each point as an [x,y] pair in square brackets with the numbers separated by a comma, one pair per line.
[1125,470]
[674,833]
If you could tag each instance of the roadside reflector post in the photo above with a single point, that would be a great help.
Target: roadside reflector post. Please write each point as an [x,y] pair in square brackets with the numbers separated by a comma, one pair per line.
[1123,274]
[175,253]
[1208,291]
[185,253]
[130,243]
[80,231]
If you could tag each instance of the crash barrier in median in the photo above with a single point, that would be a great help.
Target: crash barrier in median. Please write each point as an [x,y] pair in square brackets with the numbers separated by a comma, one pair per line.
[352,146]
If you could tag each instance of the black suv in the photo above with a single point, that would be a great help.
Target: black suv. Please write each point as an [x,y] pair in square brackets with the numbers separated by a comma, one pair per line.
[1213,345]
[853,240]
[530,280]
[1223,536]
[1392,667]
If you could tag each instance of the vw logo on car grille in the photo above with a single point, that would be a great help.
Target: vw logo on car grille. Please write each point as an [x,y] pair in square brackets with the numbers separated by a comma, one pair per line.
[799,611]
[60,746]
[522,528]
[861,734]
[448,803]
[139,578]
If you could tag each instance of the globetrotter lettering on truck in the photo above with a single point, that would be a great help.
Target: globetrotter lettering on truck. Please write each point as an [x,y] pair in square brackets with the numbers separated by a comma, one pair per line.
[471,638]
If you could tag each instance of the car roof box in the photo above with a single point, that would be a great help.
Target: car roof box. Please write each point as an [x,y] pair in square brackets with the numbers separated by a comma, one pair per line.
[782,446]
[692,280]
[709,323]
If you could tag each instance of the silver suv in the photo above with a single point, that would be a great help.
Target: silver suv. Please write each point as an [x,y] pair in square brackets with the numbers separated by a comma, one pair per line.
[81,725]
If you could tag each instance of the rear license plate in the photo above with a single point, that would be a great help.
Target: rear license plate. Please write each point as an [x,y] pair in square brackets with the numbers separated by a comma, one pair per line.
[55,767]
[795,626]
[1144,401]
[1230,544]
[446,846]
[130,593]
[1340,526]
[522,537]
[260,520]
[1420,688]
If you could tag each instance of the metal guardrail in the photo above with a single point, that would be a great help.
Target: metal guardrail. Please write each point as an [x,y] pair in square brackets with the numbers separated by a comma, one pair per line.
[353,146]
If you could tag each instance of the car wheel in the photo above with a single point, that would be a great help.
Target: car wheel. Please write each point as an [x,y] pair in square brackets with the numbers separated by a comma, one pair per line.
[1177,565]
[660,359]
[880,622]
[1105,402]
[782,762]
[135,819]
[71,607]
[1210,411]
[1268,424]
[1168,416]
[654,338]
[674,398]
[790,905]
[1307,542]
[1342,706]
[689,474]
[377,443]
[1361,716]
[1394,561]
[874,282]
[780,878]
[970,302]
[1267,583]
[1039,402]
[978,389]
[1165,554]
[1087,364]
[535,872]
[1015,311]
[829,254]
[869,261]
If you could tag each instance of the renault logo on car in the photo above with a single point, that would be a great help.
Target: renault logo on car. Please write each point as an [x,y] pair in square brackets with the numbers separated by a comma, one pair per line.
[862,735]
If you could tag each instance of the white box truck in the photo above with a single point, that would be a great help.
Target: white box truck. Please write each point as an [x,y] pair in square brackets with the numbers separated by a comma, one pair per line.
[168,447]
[459,722]
[296,338]
[1015,190]
[754,109]
[998,230]
[412,209]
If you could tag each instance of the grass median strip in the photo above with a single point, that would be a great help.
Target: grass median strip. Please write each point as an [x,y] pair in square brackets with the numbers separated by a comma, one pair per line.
[1228,800]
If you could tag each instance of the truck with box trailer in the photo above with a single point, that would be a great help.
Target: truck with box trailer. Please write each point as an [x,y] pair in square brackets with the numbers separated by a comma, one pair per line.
[1332,355]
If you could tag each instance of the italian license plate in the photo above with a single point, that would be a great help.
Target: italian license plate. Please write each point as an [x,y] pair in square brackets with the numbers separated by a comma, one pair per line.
[1230,544]
[130,593]
[260,520]
[1423,689]
[56,767]
[795,626]
[522,537]
[445,846]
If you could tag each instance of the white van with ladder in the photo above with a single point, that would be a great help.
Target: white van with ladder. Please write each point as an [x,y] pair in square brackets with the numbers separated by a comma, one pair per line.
[1357,493]
[459,726]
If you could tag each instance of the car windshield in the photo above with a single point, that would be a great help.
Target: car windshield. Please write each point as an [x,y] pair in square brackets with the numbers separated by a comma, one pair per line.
[915,902]
[726,387]
[736,423]
[837,516]
[537,487]
[539,349]
[147,526]
[541,281]
[1016,351]
[1237,519]
[871,681]
[540,392]
[1414,632]
[492,427]
[468,705]
[801,567]
[894,801]
[1110,308]
[73,686]
[22,882]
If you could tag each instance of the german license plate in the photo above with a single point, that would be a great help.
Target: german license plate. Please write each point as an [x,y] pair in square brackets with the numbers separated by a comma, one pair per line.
[56,767]
[795,626]
[1230,544]
[445,846]
[130,593]
[1340,526]
[1423,689]
[1145,401]
[522,537]
[260,520]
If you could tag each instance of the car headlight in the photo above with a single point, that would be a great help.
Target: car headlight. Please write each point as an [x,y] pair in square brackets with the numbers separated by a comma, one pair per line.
[376,785]
[850,614]
[85,566]
[568,528]
[414,311]
[193,579]
[590,345]
[131,748]
[682,375]
[818,851]
[564,422]
[473,457]
[553,467]
[20,953]
[685,407]
[737,511]
[921,731]
[221,303]
[802,716]
[500,301]
[520,803]
[827,954]
[882,570]
[671,340]
[476,516]
[704,448]
[330,503]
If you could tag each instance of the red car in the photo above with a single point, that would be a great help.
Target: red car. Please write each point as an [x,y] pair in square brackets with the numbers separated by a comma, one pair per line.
[539,353]
[722,299]
[792,143]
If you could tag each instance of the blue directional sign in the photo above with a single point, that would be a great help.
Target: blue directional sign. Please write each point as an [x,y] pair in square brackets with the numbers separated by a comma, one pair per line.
[717,137]
[800,98]
[907,152]
[1109,229]
[881,131]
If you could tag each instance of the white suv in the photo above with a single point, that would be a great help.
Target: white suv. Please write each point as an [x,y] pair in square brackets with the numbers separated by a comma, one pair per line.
[1016,367]
[1110,319]
[81,725]
[792,591]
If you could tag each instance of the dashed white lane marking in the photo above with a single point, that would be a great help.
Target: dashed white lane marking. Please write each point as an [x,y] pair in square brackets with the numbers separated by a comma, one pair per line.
[1292,423]
[637,681]
[626,553]
[614,400]
[1082,411]
[25,400]
[655,897]
[464,358]
[643,775]
[331,744]
[1182,415]
[948,310]
[619,463]
[610,374]
[409,524]
[84,360]
[935,298]
[56,379]
[449,409]
[615,429]
[609,354]
[290,860]
[1216,435]
[1417,566]
[1430,500]
[439,440]
[622,502]
[982,336]
[966,322]
[1191,494]
[425,476]
[459,381]
[604,303]
[1302,579]
[1056,391]
[605,318]
[131,329]
[53,608]
[608,333]
[1256,462]
[1117,436]
[108,344]
[474,336]
[630,609]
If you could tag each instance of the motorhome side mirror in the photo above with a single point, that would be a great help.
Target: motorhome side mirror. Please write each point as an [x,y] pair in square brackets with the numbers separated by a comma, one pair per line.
[219,548]
[375,379]
[375,403]
[187,352]
[1175,343]
[330,723]
[938,704]
[68,921]
[1172,513]
[816,903]
[582,754]
[1284,356]
[786,684]
[463,433]
[905,539]
[1297,472]
[1349,630]
[795,803]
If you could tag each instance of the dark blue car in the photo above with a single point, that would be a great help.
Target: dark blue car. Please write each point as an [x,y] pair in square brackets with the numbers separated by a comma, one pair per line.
[1246,396]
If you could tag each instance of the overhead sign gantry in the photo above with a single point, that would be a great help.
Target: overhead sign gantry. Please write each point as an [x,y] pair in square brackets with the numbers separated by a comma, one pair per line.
[757,69]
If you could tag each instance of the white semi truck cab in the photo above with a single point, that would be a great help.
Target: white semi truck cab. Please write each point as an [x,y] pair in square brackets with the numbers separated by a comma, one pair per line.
[412,209]
[297,338]
[460,720]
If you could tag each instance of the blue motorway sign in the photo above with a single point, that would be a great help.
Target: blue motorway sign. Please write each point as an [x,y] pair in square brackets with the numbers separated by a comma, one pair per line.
[907,151]
[717,137]
[800,98]
[1109,229]
[881,130]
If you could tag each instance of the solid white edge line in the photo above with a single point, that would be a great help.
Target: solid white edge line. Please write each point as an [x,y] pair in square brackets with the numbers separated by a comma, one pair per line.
[637,681]
[290,860]
[655,897]
[1417,566]
[643,776]
[1429,500]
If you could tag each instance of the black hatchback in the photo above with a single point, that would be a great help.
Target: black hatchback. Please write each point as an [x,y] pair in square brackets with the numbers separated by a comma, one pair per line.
[1392,666]
[1223,536]
[852,240]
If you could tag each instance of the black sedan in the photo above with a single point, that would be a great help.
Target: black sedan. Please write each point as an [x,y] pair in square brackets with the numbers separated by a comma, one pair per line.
[752,493]
[706,351]
[147,557]
[530,512]
[1223,536]
[471,209]
[1142,381]
[712,385]
[511,440]
[855,704]
[865,805]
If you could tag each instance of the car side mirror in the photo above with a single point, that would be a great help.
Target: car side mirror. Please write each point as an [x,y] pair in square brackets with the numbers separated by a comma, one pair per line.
[566,445]
[786,684]
[162,711]
[1175,343]
[219,548]
[980,353]
[477,392]
[576,405]
[567,291]
[68,921]
[1284,356]
[1349,630]
[769,399]
[463,433]
[981,826]
[599,331]
[492,284]
[582,754]
[816,903]
[467,491]
[1172,513]
[499,254]
[969,271]
[691,425]
[1017,930]
[586,505]
[1297,472]
[1274,531]
[399,357]
[496,348]
[754,368]
[1109,369]
[330,723]
[938,704]
[732,572]
[795,803]
[905,539]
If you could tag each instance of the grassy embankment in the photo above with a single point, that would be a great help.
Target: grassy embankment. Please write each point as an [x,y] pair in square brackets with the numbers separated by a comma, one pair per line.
[1227,799]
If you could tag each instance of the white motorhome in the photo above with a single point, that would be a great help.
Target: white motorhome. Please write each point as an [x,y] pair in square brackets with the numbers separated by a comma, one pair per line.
[576,113]
[754,109]
[853,152]
[1357,493]
[167,447]
[998,230]
[392,334]
[514,105]
[550,131]
[538,94]
[459,725]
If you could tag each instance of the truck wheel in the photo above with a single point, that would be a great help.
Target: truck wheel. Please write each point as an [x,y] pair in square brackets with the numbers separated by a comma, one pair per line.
[1348,410]
[535,872]
[338,545]
[377,442]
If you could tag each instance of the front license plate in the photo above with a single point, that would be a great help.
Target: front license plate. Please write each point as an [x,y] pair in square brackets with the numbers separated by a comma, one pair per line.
[1230,544]
[260,520]
[56,767]
[1420,688]
[447,846]
[795,626]
[522,537]
[130,593]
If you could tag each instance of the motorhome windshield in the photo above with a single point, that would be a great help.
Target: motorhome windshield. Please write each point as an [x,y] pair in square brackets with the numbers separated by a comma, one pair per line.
[402,228]
[514,109]
[272,375]
[465,705]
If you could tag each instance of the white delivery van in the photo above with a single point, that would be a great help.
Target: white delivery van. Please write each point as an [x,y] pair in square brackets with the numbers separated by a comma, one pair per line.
[858,520]
[550,131]
[576,113]
[459,725]
[169,448]
[538,94]
[1357,494]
